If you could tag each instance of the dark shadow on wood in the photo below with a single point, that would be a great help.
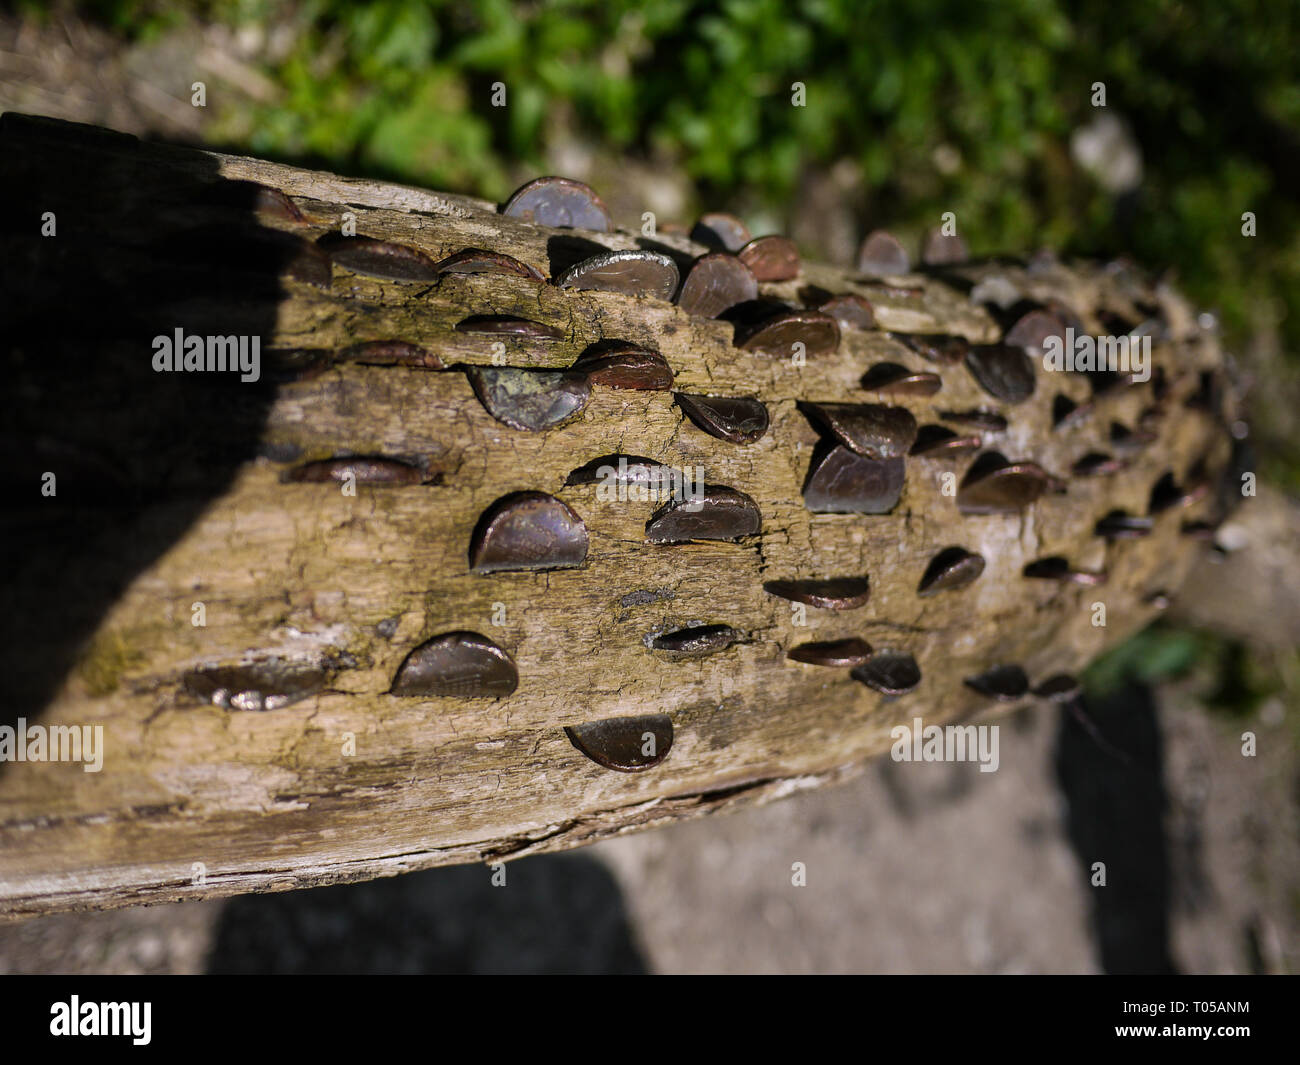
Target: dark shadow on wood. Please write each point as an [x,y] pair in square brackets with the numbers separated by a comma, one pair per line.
[148,240]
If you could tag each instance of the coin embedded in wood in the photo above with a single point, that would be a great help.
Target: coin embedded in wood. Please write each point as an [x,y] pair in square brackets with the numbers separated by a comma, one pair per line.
[530,399]
[268,684]
[771,258]
[936,441]
[738,419]
[882,256]
[1067,414]
[835,593]
[1004,489]
[950,569]
[976,419]
[1056,568]
[843,482]
[891,378]
[1059,688]
[633,273]
[717,282]
[938,347]
[723,231]
[943,249]
[1166,493]
[507,325]
[1003,371]
[1032,330]
[627,744]
[391,353]
[626,365]
[622,469]
[695,641]
[719,513]
[889,672]
[457,664]
[1098,464]
[1000,682]
[850,310]
[777,335]
[380,258]
[359,469]
[1117,525]
[848,652]
[478,261]
[560,203]
[871,429]
[528,531]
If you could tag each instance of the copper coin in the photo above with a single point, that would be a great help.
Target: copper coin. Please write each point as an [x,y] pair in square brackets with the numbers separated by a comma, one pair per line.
[771,258]
[716,283]
[528,531]
[559,203]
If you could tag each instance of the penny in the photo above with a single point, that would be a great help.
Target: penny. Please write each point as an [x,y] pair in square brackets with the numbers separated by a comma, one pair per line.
[847,483]
[626,365]
[950,569]
[379,258]
[870,429]
[723,231]
[716,283]
[528,531]
[889,672]
[835,593]
[841,653]
[559,203]
[771,258]
[478,261]
[882,256]
[777,335]
[458,664]
[720,513]
[626,744]
[739,420]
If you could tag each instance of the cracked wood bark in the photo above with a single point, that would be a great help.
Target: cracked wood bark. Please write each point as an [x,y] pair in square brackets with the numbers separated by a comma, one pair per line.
[269,800]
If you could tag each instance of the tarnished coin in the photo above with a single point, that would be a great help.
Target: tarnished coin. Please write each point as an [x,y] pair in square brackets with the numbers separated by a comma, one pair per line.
[559,203]
[723,231]
[528,531]
[717,282]
[882,256]
[530,399]
[457,664]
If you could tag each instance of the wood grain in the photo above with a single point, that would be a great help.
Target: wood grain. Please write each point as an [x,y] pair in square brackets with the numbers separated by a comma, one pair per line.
[271,801]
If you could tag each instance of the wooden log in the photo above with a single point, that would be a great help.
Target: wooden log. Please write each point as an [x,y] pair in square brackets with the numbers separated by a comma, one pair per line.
[233,617]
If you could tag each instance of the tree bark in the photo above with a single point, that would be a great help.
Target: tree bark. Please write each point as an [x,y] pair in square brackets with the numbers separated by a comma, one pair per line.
[176,504]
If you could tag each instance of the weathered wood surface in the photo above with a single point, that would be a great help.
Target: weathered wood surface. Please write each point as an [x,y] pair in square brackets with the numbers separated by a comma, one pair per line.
[270,800]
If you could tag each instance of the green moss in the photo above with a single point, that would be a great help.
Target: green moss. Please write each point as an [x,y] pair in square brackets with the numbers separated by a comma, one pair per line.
[107,657]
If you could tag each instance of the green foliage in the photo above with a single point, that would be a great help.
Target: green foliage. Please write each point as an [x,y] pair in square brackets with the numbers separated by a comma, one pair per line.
[402,88]
[1235,679]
